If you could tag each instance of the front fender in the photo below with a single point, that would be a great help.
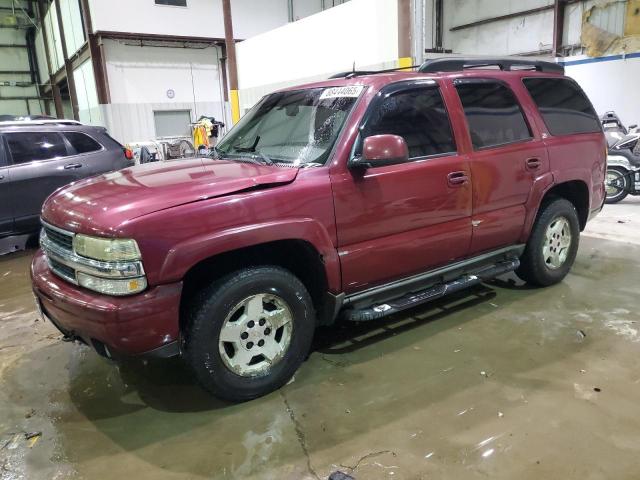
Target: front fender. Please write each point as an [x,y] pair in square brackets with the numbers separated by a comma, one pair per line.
[185,255]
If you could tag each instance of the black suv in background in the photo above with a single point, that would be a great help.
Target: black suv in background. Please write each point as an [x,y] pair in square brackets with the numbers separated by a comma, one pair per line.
[39,156]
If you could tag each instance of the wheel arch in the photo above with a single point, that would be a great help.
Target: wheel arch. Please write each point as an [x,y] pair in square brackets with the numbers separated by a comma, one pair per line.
[300,257]
[576,191]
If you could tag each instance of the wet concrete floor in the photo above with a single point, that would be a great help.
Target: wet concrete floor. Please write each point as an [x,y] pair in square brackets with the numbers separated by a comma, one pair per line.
[504,382]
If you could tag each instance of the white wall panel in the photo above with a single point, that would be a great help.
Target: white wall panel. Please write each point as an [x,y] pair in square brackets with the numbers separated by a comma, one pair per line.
[522,34]
[139,78]
[611,85]
[321,44]
[72,22]
[201,18]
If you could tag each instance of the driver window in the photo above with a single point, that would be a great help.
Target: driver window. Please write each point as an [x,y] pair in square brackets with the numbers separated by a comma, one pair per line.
[420,117]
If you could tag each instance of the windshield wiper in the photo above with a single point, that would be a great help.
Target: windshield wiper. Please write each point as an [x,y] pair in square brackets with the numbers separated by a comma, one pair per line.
[265,158]
[252,148]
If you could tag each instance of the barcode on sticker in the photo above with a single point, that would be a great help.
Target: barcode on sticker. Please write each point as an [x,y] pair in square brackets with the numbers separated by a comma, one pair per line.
[341,92]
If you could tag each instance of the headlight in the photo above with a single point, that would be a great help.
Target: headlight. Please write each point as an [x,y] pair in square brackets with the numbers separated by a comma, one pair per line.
[110,286]
[106,249]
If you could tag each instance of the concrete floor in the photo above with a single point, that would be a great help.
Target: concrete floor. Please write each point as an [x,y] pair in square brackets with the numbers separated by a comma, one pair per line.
[505,382]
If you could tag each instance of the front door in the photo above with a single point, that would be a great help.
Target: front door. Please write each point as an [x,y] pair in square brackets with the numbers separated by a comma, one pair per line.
[39,165]
[397,220]
[507,157]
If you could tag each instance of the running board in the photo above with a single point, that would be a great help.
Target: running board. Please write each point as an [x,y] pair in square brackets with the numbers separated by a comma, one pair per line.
[432,293]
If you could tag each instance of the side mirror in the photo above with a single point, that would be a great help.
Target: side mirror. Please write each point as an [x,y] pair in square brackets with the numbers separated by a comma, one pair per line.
[631,127]
[381,150]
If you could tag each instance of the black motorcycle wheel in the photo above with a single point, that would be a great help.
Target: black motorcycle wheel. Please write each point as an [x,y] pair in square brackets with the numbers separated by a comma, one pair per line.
[617,183]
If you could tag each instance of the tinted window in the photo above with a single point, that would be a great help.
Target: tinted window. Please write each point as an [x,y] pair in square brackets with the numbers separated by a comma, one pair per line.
[493,114]
[419,116]
[27,147]
[82,143]
[175,3]
[563,106]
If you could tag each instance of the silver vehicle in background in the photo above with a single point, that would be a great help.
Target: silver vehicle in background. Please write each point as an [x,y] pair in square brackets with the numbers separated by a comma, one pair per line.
[39,156]
[623,158]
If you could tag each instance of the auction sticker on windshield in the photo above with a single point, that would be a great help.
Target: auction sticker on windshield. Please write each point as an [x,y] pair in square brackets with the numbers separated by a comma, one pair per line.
[352,91]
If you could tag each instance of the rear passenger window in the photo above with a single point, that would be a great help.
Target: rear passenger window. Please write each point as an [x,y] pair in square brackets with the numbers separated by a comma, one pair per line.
[564,107]
[82,143]
[419,116]
[31,146]
[493,113]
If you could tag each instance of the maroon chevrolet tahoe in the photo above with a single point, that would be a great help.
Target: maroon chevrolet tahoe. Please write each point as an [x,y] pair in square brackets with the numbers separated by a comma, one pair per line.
[352,199]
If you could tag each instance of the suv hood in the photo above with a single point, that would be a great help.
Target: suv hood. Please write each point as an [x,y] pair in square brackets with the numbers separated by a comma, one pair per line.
[100,204]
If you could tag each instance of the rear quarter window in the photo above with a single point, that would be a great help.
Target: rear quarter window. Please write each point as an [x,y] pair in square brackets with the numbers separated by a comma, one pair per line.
[563,106]
[82,143]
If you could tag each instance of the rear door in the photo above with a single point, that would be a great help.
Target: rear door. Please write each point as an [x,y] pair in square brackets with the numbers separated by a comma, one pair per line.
[90,155]
[574,138]
[38,164]
[6,212]
[507,156]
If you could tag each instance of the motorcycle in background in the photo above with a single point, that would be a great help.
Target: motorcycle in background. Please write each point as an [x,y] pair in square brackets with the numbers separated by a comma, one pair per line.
[623,158]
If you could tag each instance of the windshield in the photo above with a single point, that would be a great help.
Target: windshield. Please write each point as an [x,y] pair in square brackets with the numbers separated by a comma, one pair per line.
[297,127]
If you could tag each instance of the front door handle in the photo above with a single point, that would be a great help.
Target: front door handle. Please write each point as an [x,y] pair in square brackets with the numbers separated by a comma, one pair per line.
[533,163]
[1,177]
[455,179]
[71,166]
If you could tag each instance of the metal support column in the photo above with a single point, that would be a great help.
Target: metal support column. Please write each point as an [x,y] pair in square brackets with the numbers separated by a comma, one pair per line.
[231,59]
[404,33]
[67,65]
[558,27]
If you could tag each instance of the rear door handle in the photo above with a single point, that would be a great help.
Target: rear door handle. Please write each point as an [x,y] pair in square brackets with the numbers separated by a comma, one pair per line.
[71,166]
[455,179]
[533,163]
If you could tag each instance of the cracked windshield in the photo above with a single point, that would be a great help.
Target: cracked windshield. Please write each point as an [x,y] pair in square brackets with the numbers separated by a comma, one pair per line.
[297,128]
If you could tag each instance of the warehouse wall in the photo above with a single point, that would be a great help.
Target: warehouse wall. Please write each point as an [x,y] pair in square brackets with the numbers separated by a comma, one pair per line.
[610,82]
[524,34]
[201,18]
[140,79]
[15,58]
[360,31]
[517,35]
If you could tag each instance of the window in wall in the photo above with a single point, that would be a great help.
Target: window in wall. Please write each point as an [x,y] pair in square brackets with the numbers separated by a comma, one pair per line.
[563,106]
[174,3]
[32,146]
[419,116]
[172,123]
[82,143]
[493,114]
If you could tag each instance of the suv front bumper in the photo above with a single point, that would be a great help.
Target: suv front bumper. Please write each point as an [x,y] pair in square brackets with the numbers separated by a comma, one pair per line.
[143,324]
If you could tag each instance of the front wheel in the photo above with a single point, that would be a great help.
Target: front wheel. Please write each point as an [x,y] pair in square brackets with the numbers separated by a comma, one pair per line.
[248,332]
[553,244]
[617,184]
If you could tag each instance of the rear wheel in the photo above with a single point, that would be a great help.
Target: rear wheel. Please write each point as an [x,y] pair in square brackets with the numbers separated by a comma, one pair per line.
[617,184]
[553,244]
[249,332]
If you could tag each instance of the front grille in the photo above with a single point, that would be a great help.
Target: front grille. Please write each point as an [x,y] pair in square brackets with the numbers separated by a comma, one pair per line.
[62,270]
[60,239]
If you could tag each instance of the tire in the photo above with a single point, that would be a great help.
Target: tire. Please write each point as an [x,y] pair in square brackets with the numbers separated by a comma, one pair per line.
[620,175]
[546,266]
[226,309]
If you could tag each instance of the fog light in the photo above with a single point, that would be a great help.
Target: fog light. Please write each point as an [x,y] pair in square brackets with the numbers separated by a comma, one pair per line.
[111,286]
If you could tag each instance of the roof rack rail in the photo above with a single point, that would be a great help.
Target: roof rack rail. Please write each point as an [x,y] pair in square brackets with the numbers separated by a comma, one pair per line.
[456,64]
[359,73]
[60,121]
